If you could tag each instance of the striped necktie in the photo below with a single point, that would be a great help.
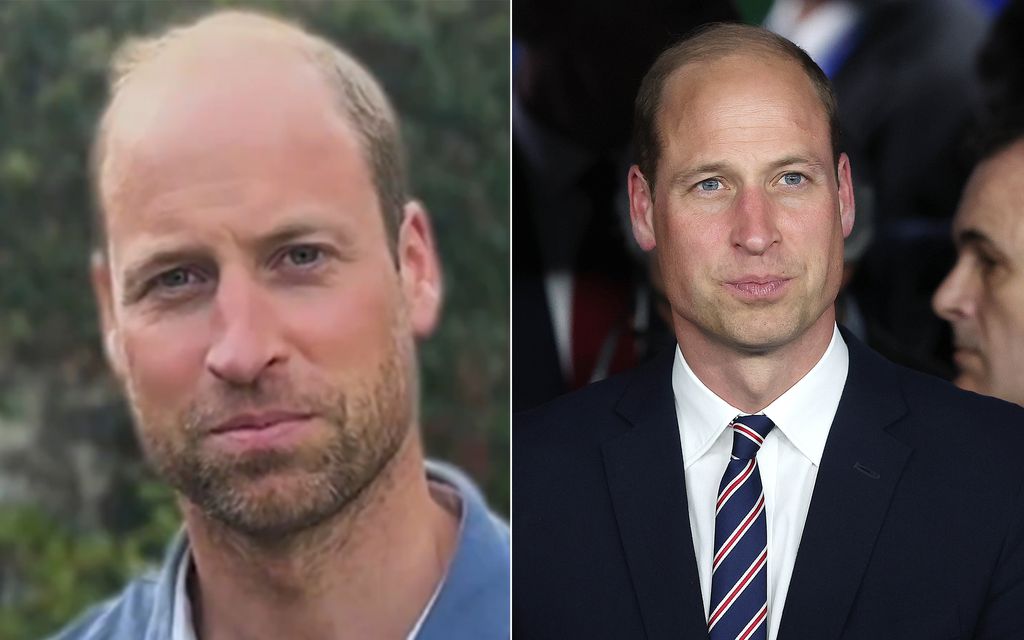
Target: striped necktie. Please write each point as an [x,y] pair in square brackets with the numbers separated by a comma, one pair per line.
[739,577]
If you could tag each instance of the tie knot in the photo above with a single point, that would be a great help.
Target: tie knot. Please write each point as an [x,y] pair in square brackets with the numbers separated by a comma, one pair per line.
[748,435]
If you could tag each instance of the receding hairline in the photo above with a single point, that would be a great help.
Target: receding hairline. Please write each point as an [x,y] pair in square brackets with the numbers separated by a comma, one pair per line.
[752,51]
[139,74]
[356,95]
[143,57]
[768,57]
[707,45]
[991,171]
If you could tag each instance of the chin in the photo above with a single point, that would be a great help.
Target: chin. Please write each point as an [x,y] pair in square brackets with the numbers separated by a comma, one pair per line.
[762,335]
[277,504]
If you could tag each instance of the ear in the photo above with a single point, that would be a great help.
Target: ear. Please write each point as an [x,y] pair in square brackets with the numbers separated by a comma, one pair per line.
[641,209]
[847,209]
[419,270]
[103,290]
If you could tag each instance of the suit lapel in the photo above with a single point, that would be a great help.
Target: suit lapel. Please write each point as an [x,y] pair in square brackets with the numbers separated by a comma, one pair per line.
[644,468]
[860,468]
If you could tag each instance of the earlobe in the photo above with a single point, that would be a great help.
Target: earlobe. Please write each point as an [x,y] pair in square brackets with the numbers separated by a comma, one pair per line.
[419,270]
[641,209]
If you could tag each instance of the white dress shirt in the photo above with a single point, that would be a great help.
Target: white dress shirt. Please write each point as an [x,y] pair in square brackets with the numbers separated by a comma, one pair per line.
[788,461]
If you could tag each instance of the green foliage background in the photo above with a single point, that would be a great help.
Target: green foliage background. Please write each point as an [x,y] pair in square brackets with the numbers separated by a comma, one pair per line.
[445,65]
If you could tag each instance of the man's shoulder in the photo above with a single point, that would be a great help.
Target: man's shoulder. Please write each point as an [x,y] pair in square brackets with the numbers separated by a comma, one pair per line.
[559,449]
[474,500]
[123,617]
[590,412]
[942,417]
[141,611]
[964,417]
[473,600]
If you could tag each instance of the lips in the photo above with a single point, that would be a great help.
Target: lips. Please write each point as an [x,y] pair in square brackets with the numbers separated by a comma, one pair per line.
[965,358]
[758,286]
[258,421]
[757,279]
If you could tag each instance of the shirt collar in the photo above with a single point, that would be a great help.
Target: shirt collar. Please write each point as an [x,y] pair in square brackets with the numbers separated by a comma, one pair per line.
[182,624]
[181,613]
[803,414]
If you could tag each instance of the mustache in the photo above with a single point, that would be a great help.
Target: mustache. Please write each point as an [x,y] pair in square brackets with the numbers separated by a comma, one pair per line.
[222,404]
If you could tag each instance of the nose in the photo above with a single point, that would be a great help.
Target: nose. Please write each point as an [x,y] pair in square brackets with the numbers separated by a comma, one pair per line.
[956,299]
[247,341]
[755,229]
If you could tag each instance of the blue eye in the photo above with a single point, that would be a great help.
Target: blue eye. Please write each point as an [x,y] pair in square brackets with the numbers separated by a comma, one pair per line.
[792,179]
[174,278]
[711,184]
[304,255]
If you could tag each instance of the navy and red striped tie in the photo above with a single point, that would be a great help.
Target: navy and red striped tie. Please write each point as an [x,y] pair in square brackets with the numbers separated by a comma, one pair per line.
[739,575]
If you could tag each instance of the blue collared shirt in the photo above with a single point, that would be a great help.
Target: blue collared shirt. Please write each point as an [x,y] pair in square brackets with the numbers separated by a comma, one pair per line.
[471,604]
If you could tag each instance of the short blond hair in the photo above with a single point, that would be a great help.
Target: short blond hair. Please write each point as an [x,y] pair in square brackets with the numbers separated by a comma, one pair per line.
[360,98]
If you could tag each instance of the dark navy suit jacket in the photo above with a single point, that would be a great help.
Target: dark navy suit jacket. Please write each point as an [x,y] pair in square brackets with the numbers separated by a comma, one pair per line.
[915,527]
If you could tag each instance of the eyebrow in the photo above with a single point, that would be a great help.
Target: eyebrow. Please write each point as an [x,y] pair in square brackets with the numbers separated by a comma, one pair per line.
[296,231]
[975,237]
[800,160]
[686,176]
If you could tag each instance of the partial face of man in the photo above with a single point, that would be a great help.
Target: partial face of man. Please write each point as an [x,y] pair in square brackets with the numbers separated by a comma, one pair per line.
[748,215]
[983,296]
[252,300]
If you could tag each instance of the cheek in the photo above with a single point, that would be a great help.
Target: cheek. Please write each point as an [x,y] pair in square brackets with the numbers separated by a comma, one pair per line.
[687,247]
[344,328]
[165,360]
[814,226]
[817,240]
[1001,317]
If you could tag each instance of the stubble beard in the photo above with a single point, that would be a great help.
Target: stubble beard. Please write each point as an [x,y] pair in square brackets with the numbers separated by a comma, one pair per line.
[752,329]
[275,494]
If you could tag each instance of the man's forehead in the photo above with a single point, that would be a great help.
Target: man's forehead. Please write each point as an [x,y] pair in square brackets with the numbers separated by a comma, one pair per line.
[991,211]
[225,96]
[751,70]
[753,96]
[214,89]
[994,194]
[225,127]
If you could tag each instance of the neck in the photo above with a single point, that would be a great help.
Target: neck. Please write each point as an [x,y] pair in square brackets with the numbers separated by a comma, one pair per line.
[749,379]
[366,573]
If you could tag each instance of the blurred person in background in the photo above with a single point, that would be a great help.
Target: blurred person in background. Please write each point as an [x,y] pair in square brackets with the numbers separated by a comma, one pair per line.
[982,297]
[902,71]
[584,303]
[262,278]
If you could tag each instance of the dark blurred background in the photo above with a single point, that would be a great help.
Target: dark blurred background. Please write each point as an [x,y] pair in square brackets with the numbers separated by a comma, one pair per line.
[79,512]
